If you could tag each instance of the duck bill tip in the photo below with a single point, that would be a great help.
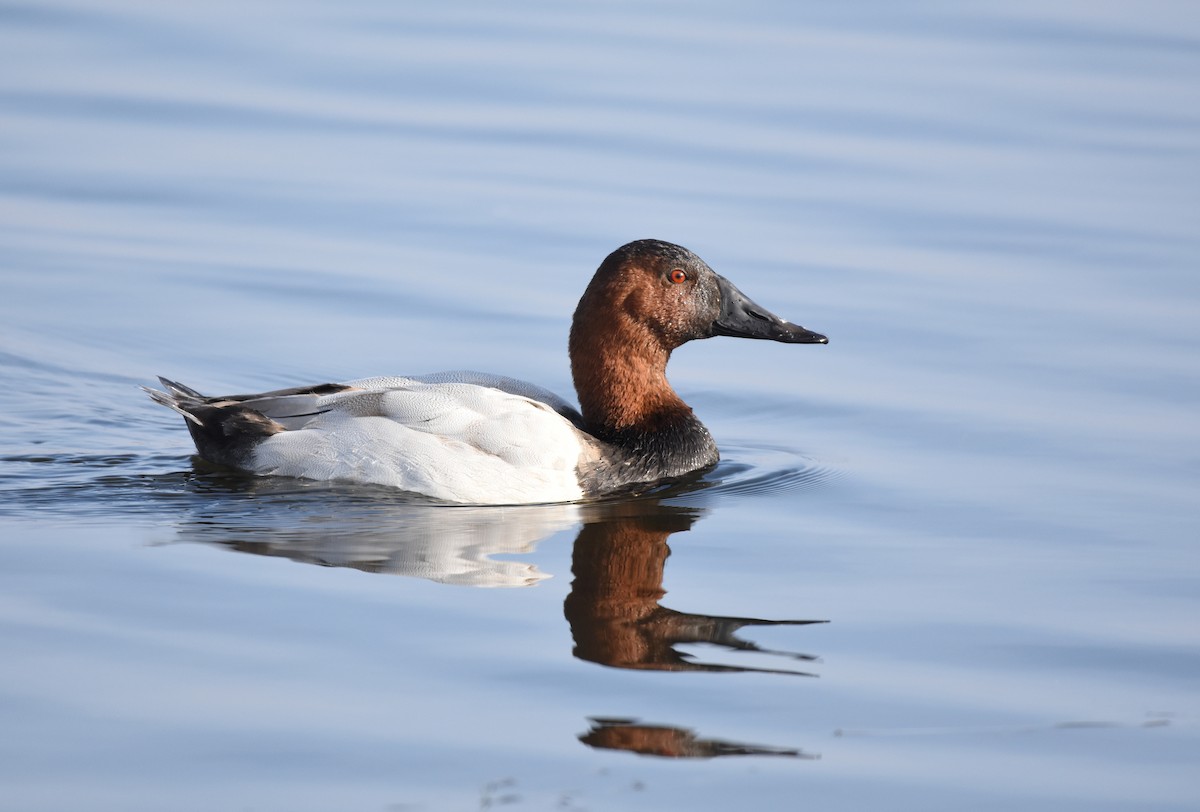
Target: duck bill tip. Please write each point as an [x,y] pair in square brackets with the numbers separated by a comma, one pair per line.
[798,335]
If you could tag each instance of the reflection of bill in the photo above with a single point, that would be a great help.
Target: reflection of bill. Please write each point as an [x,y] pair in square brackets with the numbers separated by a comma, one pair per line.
[672,742]
[613,606]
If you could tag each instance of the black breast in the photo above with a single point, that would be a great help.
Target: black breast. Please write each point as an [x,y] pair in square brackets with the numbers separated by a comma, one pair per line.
[636,456]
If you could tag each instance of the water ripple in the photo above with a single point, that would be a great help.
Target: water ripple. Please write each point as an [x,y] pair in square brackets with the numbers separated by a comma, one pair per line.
[757,470]
[116,484]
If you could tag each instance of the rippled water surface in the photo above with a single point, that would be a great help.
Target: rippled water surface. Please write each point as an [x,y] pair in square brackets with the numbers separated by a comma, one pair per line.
[949,561]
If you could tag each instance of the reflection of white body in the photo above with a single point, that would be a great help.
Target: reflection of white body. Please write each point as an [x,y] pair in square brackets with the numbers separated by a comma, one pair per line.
[447,545]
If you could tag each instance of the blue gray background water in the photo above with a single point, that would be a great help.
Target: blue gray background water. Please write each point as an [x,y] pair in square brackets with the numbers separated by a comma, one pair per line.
[987,483]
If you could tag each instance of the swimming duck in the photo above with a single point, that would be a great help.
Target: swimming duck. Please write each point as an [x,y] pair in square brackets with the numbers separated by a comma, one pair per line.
[476,438]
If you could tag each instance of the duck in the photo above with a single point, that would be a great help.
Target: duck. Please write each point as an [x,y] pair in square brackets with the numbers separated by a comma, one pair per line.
[478,438]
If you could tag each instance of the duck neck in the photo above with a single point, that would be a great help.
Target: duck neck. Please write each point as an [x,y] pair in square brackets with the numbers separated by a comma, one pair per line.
[623,390]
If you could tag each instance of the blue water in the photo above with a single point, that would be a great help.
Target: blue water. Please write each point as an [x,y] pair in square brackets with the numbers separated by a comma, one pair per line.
[986,483]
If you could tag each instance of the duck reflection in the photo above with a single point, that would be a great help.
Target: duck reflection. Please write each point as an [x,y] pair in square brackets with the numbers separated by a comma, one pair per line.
[672,742]
[618,557]
[613,608]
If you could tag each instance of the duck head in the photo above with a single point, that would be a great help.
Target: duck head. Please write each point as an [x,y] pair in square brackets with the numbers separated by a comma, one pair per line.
[646,299]
[675,297]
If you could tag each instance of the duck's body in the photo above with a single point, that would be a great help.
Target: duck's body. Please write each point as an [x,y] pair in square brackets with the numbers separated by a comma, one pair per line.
[475,438]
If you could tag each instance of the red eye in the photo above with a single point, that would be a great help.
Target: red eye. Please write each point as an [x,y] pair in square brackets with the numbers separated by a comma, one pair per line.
[679,276]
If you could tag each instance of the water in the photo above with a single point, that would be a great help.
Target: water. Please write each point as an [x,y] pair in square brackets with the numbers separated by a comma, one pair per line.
[986,483]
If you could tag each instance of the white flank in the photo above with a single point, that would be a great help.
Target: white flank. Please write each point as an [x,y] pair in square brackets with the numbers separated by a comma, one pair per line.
[451,436]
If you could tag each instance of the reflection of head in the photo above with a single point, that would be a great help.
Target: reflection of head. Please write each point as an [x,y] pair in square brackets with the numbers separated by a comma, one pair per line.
[671,742]
[613,608]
